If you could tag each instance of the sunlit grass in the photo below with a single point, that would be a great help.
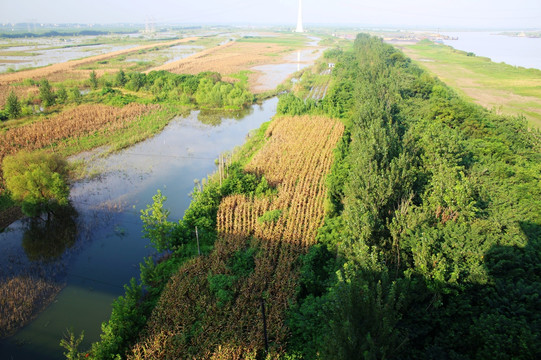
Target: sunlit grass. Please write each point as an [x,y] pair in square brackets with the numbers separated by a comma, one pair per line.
[295,41]
[499,86]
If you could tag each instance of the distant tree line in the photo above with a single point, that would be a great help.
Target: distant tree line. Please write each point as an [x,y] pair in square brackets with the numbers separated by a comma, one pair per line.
[18,35]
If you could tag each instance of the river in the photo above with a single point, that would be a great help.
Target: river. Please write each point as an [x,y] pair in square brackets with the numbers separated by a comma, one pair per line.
[516,51]
[99,245]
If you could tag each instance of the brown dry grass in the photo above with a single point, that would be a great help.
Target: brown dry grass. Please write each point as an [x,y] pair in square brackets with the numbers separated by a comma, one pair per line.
[20,91]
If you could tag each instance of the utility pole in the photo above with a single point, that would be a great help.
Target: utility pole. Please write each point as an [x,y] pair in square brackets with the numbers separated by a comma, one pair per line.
[264,326]
[197,237]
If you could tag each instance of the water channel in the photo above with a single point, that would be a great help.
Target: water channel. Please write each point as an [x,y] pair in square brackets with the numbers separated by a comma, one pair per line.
[99,245]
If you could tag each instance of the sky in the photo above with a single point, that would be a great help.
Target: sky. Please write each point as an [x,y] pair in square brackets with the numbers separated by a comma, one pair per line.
[497,14]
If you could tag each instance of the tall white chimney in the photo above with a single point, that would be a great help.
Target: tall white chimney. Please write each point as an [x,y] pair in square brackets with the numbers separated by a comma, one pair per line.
[299,19]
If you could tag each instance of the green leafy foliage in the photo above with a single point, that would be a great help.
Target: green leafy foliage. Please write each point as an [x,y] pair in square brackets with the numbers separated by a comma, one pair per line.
[37,180]
[270,216]
[156,227]
[13,106]
[290,104]
[71,343]
[120,78]
[93,80]
[74,95]
[221,285]
[62,95]
[46,93]
[127,318]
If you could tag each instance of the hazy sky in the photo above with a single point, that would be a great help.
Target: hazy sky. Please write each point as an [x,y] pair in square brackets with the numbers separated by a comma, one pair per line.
[400,13]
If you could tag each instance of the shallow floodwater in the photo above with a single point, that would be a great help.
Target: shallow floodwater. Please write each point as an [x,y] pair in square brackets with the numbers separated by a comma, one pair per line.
[97,259]
[54,50]
[274,74]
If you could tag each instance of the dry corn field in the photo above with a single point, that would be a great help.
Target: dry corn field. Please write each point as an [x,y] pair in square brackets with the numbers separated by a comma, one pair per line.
[73,123]
[296,159]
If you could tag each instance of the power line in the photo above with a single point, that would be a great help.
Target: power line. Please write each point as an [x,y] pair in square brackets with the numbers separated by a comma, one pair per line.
[95,280]
[171,156]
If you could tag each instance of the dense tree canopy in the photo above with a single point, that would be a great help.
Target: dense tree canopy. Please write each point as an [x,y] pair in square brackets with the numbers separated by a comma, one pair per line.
[438,243]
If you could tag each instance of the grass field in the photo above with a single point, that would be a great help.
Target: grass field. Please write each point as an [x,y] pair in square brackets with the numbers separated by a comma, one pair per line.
[504,88]
[290,40]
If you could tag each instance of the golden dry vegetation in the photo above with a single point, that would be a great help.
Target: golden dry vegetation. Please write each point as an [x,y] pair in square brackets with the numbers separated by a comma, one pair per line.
[20,91]
[296,159]
[73,123]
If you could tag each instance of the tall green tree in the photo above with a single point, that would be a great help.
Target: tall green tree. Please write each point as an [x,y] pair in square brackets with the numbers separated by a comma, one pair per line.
[38,180]
[62,94]
[120,79]
[46,93]
[13,106]
[74,95]
[93,80]
[156,227]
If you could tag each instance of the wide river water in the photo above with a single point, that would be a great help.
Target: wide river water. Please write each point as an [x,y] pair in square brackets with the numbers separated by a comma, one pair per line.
[105,246]
[516,51]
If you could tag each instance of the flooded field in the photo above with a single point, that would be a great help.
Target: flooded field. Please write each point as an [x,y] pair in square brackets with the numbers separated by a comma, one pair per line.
[98,248]
[54,51]
[42,52]
[272,75]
